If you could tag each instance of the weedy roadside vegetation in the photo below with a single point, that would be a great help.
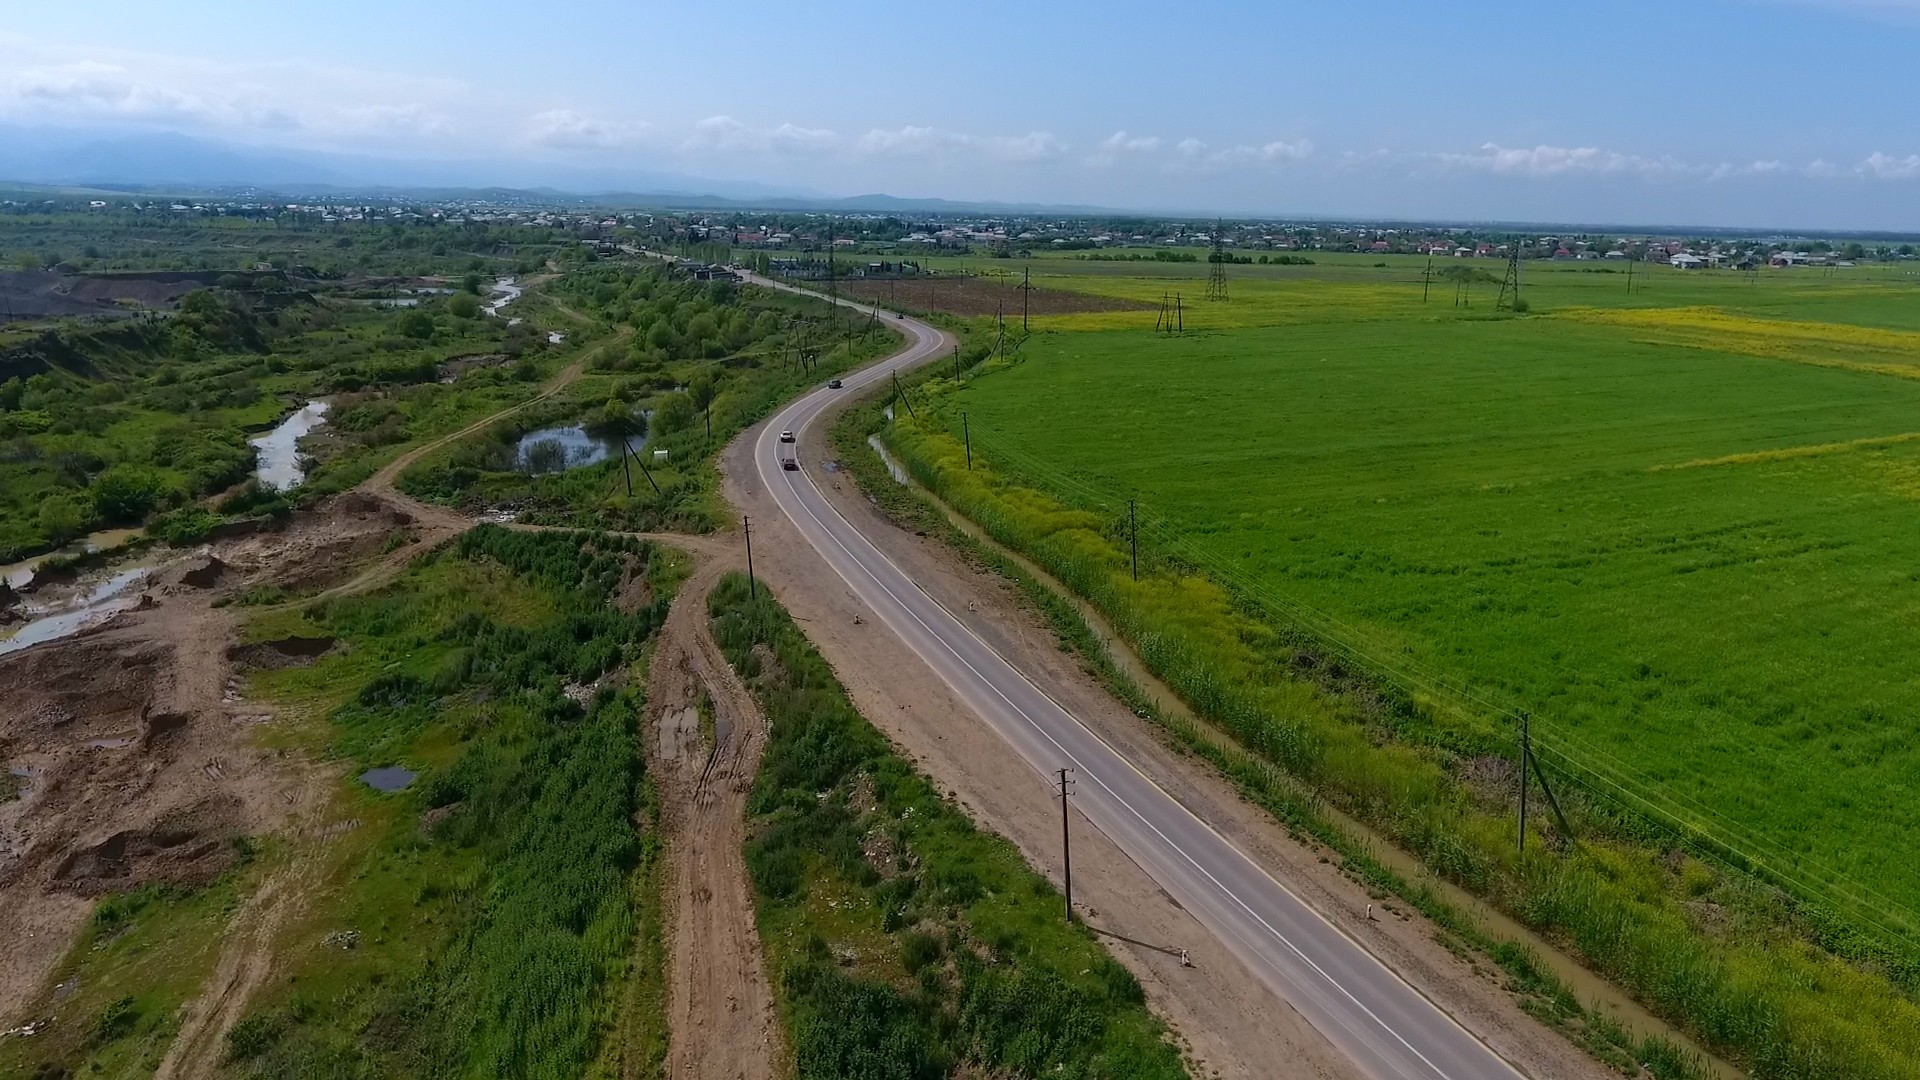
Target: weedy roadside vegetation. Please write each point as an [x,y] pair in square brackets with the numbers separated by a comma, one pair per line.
[903,941]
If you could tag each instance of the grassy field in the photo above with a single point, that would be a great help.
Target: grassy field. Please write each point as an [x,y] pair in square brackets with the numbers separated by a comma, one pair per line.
[1680,537]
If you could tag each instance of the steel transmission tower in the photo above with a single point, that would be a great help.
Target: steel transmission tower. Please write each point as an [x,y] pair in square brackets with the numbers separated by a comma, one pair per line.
[1217,277]
[1509,299]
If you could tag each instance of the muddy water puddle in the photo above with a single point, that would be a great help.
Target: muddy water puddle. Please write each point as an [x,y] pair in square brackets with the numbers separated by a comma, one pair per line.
[388,778]
[19,575]
[93,604]
[278,451]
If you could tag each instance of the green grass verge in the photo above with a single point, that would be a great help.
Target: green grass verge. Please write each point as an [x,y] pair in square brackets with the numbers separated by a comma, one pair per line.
[902,941]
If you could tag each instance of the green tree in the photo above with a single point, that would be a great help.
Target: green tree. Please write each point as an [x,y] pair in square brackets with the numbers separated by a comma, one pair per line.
[128,492]
[62,517]
[463,306]
[470,284]
[703,392]
[417,324]
[675,413]
[11,392]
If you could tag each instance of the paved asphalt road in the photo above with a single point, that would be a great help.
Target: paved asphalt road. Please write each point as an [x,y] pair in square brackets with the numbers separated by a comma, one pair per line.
[1388,1029]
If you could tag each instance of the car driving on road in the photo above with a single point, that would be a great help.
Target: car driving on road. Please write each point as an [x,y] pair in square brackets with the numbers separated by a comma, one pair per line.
[786,436]
[833,384]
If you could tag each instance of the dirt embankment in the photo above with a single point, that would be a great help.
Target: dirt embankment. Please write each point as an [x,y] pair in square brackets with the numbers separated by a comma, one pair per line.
[721,1017]
[975,296]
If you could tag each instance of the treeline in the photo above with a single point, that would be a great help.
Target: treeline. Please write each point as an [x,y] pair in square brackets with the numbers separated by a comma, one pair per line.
[963,963]
[505,900]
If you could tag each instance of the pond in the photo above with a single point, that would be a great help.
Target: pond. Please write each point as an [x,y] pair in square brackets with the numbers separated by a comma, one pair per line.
[388,778]
[278,451]
[563,447]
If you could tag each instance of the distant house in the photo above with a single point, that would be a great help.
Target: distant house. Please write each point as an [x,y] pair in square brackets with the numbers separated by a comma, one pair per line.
[1684,261]
[1616,255]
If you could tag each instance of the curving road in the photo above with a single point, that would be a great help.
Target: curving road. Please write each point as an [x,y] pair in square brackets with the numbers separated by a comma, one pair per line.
[1386,1027]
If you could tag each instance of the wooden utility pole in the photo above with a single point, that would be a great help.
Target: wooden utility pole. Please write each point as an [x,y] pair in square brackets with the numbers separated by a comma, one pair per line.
[747,528]
[1026,293]
[966,433]
[1066,839]
[1526,755]
[1426,279]
[1133,534]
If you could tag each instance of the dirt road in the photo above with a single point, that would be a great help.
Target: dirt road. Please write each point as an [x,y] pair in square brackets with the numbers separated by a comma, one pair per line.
[721,1018]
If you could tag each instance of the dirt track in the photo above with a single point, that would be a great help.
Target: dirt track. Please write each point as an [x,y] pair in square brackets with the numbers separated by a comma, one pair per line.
[721,1018]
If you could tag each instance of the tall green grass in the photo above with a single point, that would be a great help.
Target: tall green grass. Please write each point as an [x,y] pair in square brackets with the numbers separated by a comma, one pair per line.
[497,913]
[904,942]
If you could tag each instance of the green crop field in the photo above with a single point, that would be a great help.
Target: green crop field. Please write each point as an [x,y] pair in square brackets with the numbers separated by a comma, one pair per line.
[1680,528]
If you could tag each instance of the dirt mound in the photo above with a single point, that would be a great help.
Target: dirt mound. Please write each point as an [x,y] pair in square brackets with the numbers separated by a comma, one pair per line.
[206,575]
[188,846]
[314,549]
[283,652]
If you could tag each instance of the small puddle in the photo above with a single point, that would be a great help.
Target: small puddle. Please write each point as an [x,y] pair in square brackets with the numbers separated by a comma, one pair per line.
[388,778]
[19,575]
[96,604]
[278,451]
[120,742]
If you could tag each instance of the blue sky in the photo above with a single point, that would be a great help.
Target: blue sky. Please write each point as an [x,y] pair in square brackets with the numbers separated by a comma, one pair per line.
[1738,112]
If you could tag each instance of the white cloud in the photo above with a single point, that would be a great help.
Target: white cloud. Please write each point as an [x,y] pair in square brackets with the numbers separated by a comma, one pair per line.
[1887,167]
[1122,143]
[564,129]
[110,87]
[1193,154]
[724,134]
[928,142]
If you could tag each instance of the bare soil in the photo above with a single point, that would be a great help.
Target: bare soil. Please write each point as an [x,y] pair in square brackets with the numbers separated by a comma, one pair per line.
[721,1017]
[139,768]
[974,296]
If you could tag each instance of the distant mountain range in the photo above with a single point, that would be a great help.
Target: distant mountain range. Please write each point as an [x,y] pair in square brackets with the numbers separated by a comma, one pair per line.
[172,163]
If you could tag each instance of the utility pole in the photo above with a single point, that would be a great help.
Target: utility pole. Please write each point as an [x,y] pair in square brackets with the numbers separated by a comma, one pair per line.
[747,528]
[1133,533]
[1426,278]
[1526,755]
[1066,839]
[900,395]
[956,362]
[643,468]
[966,434]
[1026,291]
